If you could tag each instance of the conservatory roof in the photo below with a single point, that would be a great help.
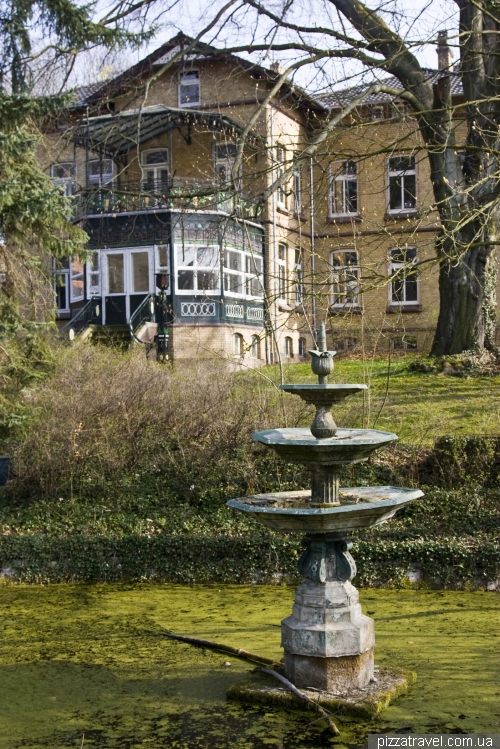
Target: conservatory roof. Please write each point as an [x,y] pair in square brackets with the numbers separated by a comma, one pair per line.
[113,135]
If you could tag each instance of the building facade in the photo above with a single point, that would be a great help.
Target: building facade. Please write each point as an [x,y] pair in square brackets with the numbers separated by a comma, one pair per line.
[170,166]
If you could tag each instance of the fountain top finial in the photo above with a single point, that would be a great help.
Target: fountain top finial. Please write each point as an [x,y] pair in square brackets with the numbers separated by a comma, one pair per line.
[322,359]
[322,338]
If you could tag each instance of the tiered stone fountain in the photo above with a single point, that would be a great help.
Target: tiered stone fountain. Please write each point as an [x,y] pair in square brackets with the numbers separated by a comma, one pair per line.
[328,642]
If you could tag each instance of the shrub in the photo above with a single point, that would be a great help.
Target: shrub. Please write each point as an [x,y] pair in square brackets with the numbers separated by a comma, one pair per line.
[456,460]
[106,421]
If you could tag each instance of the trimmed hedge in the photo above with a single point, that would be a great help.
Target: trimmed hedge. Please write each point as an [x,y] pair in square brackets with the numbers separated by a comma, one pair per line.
[442,562]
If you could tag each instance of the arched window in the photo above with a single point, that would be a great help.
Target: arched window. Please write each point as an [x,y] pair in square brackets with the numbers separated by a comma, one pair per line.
[288,347]
[238,344]
[302,347]
[255,347]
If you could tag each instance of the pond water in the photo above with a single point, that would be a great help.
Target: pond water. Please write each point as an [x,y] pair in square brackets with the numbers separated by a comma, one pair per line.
[86,666]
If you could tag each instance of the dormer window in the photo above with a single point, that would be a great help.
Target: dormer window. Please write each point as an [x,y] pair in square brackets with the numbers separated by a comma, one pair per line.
[189,88]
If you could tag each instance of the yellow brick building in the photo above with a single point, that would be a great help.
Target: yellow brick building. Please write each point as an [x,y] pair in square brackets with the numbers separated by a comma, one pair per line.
[170,167]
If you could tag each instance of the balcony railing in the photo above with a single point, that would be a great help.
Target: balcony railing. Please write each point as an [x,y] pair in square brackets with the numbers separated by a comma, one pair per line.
[147,196]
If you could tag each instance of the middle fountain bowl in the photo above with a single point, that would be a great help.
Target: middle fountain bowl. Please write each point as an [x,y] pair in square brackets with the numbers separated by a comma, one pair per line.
[293,512]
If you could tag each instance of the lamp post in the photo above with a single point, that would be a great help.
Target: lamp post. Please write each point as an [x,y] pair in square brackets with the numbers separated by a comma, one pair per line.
[161,338]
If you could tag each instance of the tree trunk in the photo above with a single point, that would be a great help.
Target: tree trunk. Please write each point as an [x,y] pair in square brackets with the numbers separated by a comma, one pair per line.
[467,290]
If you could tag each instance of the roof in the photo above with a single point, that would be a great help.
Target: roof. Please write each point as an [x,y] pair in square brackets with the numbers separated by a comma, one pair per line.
[200,51]
[84,93]
[115,134]
[337,99]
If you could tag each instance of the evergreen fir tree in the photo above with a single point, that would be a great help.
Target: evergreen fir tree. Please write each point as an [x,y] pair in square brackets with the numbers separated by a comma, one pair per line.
[35,223]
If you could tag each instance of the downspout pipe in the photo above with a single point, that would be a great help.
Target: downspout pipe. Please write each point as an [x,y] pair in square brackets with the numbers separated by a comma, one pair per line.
[275,244]
[313,251]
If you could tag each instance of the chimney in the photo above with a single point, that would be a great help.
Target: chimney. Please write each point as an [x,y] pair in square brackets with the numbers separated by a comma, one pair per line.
[277,67]
[444,52]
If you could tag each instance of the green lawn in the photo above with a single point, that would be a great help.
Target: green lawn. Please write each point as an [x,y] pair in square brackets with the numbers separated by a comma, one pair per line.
[419,407]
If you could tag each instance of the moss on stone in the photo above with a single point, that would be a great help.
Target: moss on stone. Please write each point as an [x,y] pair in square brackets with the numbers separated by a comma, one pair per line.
[262,689]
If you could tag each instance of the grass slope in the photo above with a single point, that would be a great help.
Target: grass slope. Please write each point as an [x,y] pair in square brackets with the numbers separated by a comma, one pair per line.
[417,406]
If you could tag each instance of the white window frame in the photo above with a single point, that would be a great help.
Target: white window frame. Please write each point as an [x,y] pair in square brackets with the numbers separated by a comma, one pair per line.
[79,274]
[302,347]
[340,283]
[402,174]
[103,178]
[93,270]
[254,273]
[280,168]
[182,75]
[68,182]
[399,267]
[155,169]
[248,272]
[223,164]
[299,277]
[288,347]
[129,275]
[238,345]
[255,347]
[282,274]
[340,178]
[195,269]
[62,273]
[158,264]
[128,291]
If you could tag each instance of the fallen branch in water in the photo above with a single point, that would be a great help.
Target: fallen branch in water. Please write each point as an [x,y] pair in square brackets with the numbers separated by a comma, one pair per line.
[238,653]
[315,705]
[246,655]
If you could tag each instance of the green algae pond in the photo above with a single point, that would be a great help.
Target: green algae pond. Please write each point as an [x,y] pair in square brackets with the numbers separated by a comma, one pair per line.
[87,666]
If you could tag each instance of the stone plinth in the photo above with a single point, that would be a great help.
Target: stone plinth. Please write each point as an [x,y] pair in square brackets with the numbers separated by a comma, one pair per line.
[328,642]
[365,702]
[333,675]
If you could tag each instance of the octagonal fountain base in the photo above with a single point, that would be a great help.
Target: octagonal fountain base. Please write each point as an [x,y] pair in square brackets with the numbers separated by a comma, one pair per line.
[328,642]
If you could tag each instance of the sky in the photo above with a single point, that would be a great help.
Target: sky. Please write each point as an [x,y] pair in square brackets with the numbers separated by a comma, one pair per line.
[417,20]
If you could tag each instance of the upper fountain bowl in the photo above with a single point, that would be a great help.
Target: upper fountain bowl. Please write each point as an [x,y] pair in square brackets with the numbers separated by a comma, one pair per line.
[347,446]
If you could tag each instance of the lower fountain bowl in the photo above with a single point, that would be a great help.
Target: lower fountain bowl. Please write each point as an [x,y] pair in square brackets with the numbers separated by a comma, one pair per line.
[292,512]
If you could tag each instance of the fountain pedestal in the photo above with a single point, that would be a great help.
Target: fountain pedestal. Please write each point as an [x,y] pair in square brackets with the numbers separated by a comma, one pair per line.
[328,642]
